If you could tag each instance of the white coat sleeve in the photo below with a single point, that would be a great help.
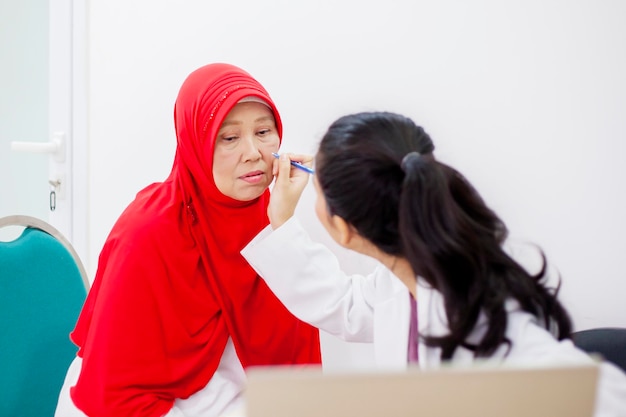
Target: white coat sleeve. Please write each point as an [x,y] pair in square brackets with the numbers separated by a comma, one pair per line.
[307,278]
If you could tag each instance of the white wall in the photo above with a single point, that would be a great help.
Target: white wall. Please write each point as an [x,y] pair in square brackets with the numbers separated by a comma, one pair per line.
[527,98]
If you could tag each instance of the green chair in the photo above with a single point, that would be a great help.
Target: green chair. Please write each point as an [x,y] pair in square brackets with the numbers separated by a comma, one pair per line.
[43,285]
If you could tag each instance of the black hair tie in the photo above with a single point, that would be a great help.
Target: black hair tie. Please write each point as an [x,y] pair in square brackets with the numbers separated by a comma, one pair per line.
[407,160]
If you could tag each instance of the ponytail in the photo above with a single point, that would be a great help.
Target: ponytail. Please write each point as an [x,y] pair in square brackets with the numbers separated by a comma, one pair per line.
[453,241]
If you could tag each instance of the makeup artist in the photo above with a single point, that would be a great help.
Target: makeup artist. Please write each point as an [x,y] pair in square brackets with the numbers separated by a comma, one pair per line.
[450,287]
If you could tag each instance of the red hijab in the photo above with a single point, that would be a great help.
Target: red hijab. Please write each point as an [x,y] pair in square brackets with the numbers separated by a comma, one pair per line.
[172,286]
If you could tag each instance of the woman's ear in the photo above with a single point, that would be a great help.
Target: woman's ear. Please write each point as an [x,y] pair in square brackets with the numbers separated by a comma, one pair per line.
[348,237]
[345,231]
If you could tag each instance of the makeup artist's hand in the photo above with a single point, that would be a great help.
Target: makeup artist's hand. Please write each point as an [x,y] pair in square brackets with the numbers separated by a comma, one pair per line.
[290,183]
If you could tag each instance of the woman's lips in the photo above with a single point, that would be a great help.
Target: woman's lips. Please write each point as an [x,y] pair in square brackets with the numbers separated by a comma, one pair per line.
[253,177]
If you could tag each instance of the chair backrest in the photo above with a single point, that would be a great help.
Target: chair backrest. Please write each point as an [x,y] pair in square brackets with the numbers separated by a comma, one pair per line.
[43,285]
[608,342]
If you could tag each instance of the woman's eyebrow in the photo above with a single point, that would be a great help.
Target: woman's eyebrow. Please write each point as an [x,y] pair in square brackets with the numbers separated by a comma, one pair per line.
[230,123]
[264,118]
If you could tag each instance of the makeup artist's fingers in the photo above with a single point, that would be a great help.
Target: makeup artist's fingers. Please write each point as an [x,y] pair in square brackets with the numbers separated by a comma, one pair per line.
[284,170]
[288,188]
[306,160]
[291,177]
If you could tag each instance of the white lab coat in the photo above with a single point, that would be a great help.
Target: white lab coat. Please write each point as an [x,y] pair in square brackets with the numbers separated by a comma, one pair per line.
[307,278]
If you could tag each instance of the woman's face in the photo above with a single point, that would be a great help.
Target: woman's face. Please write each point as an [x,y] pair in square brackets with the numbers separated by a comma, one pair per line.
[242,160]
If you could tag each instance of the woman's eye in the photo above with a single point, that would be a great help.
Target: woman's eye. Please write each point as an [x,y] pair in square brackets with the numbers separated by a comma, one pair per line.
[229,138]
[263,132]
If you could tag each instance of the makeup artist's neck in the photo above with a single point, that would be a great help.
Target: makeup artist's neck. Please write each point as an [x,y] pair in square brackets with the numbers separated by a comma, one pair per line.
[402,269]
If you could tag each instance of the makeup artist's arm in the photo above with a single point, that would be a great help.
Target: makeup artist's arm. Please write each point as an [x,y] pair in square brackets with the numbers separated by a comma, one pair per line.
[307,278]
[305,275]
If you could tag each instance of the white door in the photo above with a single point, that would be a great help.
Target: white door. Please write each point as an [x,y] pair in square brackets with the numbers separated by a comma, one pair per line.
[40,130]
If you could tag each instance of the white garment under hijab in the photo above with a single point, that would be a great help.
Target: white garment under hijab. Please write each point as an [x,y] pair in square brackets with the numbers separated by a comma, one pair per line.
[222,396]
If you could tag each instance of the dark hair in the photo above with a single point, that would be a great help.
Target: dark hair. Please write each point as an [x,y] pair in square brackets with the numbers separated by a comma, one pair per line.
[378,172]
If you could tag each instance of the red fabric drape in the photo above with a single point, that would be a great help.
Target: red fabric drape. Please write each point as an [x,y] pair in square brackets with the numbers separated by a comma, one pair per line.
[171,285]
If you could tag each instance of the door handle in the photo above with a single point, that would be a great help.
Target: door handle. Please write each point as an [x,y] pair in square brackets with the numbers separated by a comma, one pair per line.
[56,146]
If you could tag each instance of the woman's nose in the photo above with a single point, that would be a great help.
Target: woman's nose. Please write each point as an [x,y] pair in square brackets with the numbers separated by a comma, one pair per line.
[250,150]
